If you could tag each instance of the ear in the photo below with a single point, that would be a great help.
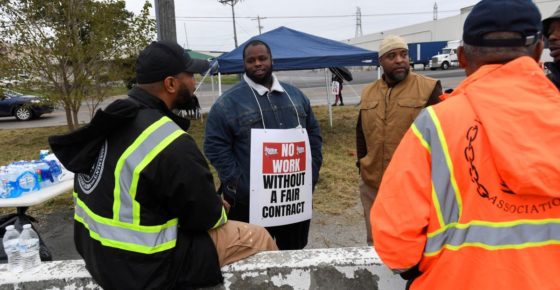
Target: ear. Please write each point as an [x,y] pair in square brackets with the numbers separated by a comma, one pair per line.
[461,57]
[539,46]
[170,85]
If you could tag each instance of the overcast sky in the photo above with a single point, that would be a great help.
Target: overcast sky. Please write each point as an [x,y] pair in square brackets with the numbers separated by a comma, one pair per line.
[334,19]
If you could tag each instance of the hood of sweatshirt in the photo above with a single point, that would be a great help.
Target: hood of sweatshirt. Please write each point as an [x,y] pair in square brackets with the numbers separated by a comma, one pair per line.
[78,150]
[519,109]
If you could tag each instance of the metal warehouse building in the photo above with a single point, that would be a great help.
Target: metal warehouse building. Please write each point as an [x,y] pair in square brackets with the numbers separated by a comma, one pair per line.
[445,29]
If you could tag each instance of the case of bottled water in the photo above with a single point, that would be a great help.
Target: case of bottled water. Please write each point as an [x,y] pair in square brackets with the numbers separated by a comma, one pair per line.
[24,176]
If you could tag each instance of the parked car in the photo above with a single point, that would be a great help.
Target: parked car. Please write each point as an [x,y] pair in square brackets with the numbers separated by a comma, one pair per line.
[23,107]
[11,82]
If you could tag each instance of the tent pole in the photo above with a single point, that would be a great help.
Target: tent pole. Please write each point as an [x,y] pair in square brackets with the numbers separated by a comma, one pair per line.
[213,90]
[328,97]
[219,84]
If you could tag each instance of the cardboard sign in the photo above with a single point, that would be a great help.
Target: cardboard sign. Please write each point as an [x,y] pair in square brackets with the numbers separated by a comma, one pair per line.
[335,86]
[281,176]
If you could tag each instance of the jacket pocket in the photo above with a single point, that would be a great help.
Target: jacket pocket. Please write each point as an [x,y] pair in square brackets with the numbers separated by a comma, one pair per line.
[409,109]
[368,105]
[369,117]
[411,103]
[247,122]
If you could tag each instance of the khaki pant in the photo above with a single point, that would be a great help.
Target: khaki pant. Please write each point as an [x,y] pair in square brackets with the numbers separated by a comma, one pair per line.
[235,241]
[367,195]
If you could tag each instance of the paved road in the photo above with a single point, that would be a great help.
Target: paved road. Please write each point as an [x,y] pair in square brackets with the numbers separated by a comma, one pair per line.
[312,83]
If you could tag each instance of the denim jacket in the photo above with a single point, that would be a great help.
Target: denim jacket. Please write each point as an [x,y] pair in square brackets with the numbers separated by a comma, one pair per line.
[227,139]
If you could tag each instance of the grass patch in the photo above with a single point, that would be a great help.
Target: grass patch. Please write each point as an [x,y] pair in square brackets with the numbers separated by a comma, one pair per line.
[335,192]
[226,79]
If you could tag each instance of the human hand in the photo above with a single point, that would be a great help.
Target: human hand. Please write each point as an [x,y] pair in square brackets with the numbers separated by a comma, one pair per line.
[226,204]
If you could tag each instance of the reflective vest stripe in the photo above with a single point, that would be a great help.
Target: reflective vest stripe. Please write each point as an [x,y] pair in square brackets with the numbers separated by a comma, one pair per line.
[116,234]
[445,193]
[426,145]
[135,158]
[147,159]
[420,137]
[452,235]
[223,219]
[517,234]
[123,230]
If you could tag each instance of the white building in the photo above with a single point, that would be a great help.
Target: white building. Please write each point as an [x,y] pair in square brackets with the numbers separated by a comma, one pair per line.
[445,29]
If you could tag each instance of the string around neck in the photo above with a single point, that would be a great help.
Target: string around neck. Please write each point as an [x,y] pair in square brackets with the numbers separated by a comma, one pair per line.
[291,101]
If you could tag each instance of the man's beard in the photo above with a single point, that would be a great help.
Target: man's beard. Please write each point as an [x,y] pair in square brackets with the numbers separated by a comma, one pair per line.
[185,100]
[397,77]
[264,80]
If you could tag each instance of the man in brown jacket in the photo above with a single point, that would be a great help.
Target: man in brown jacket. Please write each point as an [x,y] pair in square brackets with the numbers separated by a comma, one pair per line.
[388,107]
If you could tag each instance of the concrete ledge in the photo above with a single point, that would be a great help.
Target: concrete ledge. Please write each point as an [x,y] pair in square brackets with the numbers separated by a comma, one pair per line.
[337,268]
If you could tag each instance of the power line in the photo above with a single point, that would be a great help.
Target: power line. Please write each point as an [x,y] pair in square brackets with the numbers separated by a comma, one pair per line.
[318,16]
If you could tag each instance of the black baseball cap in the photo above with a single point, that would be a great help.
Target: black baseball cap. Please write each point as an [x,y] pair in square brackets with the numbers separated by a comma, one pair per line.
[521,16]
[163,58]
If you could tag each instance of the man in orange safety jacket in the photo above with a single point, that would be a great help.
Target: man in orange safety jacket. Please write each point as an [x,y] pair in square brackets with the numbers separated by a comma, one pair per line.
[471,198]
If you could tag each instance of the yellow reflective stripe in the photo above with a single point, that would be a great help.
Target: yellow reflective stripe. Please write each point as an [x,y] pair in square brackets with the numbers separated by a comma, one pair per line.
[445,150]
[505,224]
[440,230]
[553,236]
[223,219]
[495,248]
[147,159]
[426,145]
[122,159]
[124,245]
[435,199]
[117,224]
[420,137]
[437,206]
[111,222]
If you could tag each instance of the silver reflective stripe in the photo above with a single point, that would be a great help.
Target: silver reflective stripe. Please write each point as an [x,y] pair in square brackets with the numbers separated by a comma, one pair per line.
[496,236]
[126,235]
[441,175]
[132,161]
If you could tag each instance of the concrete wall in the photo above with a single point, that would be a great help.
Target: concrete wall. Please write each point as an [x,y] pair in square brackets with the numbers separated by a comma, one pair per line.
[340,268]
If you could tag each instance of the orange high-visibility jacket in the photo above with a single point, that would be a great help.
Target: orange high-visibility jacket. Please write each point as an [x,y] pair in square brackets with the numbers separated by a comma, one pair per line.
[472,195]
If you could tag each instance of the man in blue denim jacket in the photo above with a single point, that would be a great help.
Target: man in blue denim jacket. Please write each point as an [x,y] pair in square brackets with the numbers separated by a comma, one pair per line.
[227,143]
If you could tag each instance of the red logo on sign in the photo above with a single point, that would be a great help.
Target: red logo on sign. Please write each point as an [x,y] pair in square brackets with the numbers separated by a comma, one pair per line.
[279,158]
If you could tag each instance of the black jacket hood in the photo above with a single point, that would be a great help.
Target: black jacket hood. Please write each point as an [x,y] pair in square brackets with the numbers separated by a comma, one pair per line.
[78,150]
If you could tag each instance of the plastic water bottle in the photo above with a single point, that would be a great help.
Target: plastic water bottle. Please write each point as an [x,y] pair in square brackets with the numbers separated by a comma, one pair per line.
[43,153]
[8,178]
[4,189]
[29,248]
[11,247]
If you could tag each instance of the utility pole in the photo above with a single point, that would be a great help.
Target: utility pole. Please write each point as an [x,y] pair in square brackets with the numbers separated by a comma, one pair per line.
[186,37]
[232,4]
[358,22]
[165,20]
[435,10]
[259,22]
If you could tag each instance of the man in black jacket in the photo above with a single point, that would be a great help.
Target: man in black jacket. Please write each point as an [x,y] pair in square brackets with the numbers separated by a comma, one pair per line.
[147,215]
[551,30]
